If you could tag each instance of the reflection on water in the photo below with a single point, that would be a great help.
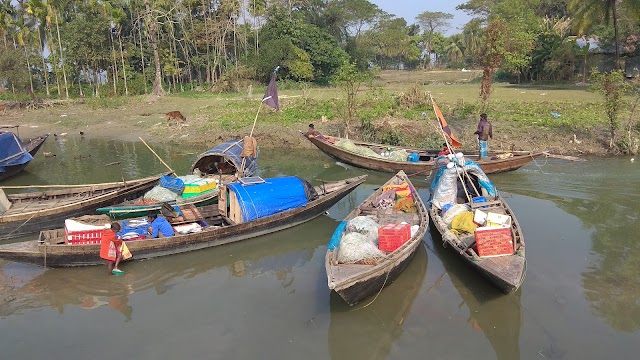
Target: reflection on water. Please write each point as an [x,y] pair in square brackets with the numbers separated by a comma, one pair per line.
[369,330]
[268,297]
[607,201]
[496,316]
[80,160]
[91,287]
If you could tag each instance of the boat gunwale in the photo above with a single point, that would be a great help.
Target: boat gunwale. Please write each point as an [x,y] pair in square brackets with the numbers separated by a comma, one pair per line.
[109,193]
[479,262]
[37,250]
[519,159]
[392,259]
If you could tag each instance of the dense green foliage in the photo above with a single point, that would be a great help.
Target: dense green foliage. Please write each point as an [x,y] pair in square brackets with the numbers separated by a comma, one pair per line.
[116,47]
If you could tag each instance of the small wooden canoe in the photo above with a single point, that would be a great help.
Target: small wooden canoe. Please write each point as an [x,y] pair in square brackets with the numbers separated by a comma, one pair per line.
[356,281]
[51,250]
[506,271]
[32,146]
[30,212]
[128,209]
[494,163]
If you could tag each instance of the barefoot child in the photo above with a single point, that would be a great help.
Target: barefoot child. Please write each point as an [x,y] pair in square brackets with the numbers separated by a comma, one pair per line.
[110,248]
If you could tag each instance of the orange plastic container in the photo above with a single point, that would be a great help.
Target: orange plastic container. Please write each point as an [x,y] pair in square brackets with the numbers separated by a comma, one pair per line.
[494,241]
[392,236]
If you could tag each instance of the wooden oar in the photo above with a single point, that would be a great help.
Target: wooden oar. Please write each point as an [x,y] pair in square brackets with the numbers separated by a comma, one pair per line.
[154,153]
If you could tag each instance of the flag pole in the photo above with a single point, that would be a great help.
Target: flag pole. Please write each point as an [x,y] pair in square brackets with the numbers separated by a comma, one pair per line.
[451,151]
[255,120]
[257,113]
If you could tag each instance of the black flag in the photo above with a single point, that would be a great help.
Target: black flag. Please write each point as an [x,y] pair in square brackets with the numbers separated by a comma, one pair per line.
[271,96]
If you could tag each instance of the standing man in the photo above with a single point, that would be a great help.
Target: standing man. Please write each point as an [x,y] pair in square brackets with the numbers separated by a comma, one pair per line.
[484,132]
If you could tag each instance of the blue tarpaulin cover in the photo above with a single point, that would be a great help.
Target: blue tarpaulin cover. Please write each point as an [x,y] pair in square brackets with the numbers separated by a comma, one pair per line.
[273,196]
[12,152]
[230,152]
[172,183]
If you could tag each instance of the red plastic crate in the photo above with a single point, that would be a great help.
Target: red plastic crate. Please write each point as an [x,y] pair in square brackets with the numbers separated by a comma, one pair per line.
[494,241]
[86,237]
[392,236]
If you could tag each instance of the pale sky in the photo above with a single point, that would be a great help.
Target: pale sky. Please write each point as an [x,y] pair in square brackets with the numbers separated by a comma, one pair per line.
[409,9]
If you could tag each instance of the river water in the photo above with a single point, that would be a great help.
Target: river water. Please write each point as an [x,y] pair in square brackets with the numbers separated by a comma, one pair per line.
[268,298]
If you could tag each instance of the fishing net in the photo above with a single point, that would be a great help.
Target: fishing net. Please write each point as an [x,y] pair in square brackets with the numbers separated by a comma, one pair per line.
[355,247]
[161,194]
[398,155]
[360,150]
[188,179]
[453,211]
[366,226]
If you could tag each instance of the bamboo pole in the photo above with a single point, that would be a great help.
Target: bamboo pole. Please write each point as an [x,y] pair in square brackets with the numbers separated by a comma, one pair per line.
[154,153]
[464,171]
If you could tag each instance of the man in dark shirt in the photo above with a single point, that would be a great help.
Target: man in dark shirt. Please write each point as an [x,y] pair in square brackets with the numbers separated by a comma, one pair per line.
[484,132]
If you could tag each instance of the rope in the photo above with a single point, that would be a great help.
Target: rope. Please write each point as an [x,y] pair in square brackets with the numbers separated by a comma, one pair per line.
[379,291]
[538,165]
[16,229]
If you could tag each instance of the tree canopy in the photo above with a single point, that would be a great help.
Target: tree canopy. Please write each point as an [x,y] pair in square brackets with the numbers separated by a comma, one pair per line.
[119,47]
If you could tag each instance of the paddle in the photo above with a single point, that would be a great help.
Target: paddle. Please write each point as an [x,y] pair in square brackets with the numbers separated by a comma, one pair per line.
[154,153]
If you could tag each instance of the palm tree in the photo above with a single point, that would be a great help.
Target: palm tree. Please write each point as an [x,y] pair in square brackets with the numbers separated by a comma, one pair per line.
[588,13]
[22,35]
[6,14]
[39,10]
[55,6]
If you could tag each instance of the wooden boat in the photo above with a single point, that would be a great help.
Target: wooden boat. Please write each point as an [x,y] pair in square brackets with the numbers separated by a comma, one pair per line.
[68,288]
[223,162]
[30,212]
[494,163]
[127,210]
[372,332]
[31,146]
[225,158]
[51,249]
[506,271]
[355,281]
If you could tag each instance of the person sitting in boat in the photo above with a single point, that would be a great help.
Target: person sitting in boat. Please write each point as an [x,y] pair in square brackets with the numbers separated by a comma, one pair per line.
[445,150]
[110,248]
[313,133]
[159,226]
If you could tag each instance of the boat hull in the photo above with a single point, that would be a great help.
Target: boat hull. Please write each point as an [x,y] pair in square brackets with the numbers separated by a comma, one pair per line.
[11,227]
[506,272]
[81,255]
[354,282]
[361,290]
[32,146]
[421,167]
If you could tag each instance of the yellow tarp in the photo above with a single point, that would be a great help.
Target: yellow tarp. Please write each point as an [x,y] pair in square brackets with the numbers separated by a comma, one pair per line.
[463,223]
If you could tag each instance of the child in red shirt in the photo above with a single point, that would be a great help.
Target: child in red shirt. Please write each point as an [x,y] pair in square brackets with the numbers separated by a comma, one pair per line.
[106,252]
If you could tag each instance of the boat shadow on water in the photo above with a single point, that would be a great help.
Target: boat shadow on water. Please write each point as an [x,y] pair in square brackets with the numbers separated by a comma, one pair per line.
[28,287]
[369,329]
[496,315]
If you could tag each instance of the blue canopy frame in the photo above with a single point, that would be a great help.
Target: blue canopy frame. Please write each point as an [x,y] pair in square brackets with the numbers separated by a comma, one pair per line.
[12,152]
[225,158]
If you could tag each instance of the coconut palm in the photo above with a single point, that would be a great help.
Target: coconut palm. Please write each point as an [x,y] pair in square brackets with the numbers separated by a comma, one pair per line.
[588,13]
